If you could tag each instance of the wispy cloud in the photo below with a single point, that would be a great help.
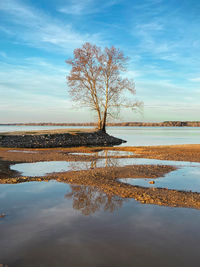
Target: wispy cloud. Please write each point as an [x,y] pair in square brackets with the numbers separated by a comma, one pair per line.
[38,29]
[3,54]
[197,79]
[166,31]
[151,37]
[36,94]
[149,27]
[86,7]
[30,78]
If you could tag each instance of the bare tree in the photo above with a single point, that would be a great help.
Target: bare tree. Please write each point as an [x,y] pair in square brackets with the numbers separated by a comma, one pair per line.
[96,81]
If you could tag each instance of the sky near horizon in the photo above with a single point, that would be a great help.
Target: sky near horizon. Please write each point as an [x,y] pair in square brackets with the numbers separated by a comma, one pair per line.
[161,38]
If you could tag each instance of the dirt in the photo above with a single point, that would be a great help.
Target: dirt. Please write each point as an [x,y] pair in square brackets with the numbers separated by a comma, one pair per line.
[56,131]
[174,152]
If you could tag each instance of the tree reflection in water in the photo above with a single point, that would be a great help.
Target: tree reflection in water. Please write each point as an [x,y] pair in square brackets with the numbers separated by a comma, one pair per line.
[101,160]
[90,199]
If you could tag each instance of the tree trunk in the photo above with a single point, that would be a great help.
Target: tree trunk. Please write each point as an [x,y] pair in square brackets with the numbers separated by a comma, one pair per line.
[103,126]
[99,124]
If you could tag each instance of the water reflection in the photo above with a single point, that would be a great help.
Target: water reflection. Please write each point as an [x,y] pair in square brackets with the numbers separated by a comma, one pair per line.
[42,168]
[89,200]
[47,167]
[185,178]
[43,229]
[23,151]
[106,153]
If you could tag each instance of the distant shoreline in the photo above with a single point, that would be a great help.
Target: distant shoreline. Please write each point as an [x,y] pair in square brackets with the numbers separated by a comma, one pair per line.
[120,124]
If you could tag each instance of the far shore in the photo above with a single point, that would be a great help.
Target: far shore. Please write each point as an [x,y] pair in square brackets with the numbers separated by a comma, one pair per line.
[119,124]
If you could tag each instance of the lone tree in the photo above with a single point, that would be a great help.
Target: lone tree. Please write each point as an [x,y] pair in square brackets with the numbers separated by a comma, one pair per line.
[96,81]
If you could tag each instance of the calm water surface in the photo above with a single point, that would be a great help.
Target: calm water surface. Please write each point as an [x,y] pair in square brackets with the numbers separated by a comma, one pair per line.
[186,177]
[135,136]
[55,224]
[149,136]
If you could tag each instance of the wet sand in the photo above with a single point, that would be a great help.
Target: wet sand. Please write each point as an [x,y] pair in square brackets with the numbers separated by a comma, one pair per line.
[106,178]
[173,152]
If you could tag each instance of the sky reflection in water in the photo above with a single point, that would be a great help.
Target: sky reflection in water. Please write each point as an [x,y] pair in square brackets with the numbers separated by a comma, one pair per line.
[187,177]
[54,224]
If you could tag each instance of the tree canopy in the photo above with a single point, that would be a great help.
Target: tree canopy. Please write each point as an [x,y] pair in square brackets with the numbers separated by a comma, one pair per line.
[97,80]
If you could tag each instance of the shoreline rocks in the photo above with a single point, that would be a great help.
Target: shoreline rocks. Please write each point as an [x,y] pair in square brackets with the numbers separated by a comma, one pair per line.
[49,140]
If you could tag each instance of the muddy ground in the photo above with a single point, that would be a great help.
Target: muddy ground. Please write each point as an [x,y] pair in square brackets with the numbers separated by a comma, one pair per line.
[106,178]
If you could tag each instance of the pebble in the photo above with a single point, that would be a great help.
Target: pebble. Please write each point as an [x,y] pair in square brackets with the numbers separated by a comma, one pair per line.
[151,182]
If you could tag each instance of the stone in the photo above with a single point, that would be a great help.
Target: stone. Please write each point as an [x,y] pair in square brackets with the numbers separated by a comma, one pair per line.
[97,138]
[151,182]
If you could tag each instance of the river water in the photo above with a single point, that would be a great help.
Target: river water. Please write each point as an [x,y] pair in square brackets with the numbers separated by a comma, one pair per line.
[57,224]
[135,136]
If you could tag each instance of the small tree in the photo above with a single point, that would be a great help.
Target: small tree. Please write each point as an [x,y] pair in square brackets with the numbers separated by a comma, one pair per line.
[95,81]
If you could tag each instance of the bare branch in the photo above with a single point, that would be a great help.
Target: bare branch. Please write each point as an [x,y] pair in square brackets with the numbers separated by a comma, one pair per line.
[95,81]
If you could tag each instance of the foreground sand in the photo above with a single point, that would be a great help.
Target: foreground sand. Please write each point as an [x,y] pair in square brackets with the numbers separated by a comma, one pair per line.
[106,178]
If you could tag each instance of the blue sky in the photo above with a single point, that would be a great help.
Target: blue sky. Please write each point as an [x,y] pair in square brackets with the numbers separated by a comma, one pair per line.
[161,38]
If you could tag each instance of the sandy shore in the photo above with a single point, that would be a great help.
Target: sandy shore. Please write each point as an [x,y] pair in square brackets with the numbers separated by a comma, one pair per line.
[106,178]
[174,152]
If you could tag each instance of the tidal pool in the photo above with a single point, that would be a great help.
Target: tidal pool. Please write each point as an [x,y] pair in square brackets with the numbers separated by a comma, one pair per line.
[23,151]
[56,224]
[45,167]
[106,153]
[185,178]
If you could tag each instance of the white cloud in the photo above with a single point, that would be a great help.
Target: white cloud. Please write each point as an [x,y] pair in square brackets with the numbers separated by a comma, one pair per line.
[147,27]
[197,79]
[28,79]
[132,74]
[41,30]
[151,40]
[86,7]
[29,94]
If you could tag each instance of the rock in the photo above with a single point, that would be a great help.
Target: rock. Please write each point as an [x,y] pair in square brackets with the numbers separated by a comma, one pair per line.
[151,182]
[97,138]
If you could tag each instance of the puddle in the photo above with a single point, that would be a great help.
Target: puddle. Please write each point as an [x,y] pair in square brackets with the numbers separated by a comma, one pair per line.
[81,154]
[116,153]
[106,153]
[45,167]
[41,168]
[47,224]
[185,178]
[22,151]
